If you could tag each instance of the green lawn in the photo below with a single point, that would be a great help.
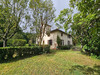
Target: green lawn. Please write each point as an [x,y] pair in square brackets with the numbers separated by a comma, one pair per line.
[59,62]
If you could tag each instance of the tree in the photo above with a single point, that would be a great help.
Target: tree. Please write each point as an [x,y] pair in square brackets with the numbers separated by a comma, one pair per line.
[43,14]
[59,42]
[11,13]
[86,24]
[65,19]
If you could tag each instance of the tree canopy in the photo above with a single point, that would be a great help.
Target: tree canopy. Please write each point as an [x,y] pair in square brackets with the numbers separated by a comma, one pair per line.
[11,12]
[85,24]
[43,14]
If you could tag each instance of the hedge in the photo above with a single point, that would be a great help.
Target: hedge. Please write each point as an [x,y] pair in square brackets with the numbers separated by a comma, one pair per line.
[46,49]
[8,52]
[1,43]
[66,47]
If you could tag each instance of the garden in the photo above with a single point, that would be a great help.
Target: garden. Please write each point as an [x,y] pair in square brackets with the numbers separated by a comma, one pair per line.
[24,24]
[60,62]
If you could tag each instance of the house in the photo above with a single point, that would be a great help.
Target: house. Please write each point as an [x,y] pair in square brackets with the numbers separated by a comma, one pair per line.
[50,37]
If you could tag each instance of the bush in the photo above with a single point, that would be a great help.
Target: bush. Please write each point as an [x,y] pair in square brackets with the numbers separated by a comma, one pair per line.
[8,52]
[64,47]
[95,56]
[34,45]
[16,42]
[26,45]
[1,43]
[46,49]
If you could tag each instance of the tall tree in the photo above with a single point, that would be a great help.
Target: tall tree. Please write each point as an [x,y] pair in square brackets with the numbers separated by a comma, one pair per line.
[86,23]
[43,14]
[65,18]
[11,13]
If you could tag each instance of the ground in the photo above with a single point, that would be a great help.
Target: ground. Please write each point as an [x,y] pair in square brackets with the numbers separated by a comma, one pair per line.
[58,62]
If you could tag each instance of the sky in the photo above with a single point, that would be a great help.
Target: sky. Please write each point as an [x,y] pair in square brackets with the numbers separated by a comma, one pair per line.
[60,5]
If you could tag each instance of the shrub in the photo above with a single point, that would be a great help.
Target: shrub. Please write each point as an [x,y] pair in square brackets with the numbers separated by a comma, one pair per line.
[59,40]
[1,43]
[16,42]
[98,57]
[26,45]
[34,45]
[8,52]
[46,49]
[64,47]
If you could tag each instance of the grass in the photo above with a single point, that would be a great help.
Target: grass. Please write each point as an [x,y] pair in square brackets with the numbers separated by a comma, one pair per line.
[60,62]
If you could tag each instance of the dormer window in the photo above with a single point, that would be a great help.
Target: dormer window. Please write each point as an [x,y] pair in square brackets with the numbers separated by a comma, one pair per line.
[61,34]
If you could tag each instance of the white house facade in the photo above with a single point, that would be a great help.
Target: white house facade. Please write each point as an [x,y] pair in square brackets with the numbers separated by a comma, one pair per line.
[51,39]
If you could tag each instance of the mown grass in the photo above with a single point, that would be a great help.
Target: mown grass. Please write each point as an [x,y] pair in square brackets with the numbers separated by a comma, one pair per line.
[58,62]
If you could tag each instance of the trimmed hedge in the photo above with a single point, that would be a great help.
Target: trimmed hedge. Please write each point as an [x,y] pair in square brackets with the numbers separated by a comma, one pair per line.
[8,52]
[66,47]
[46,49]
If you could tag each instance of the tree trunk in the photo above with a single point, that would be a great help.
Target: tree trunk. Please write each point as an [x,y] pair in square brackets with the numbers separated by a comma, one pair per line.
[4,43]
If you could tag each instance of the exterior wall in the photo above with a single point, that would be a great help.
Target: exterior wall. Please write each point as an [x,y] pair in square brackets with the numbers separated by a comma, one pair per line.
[64,37]
[53,37]
[48,28]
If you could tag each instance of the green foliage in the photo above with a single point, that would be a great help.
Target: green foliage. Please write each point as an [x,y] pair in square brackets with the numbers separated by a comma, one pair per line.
[34,45]
[59,42]
[43,14]
[85,25]
[66,47]
[64,18]
[95,56]
[18,36]
[17,42]
[1,43]
[8,52]
[46,49]
[11,12]
[27,45]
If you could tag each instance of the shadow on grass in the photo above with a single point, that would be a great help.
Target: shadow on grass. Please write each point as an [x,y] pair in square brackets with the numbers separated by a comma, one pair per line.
[85,70]
[16,59]
[52,52]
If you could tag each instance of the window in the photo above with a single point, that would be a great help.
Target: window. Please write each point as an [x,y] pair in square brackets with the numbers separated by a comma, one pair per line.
[50,42]
[62,41]
[68,42]
[61,34]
